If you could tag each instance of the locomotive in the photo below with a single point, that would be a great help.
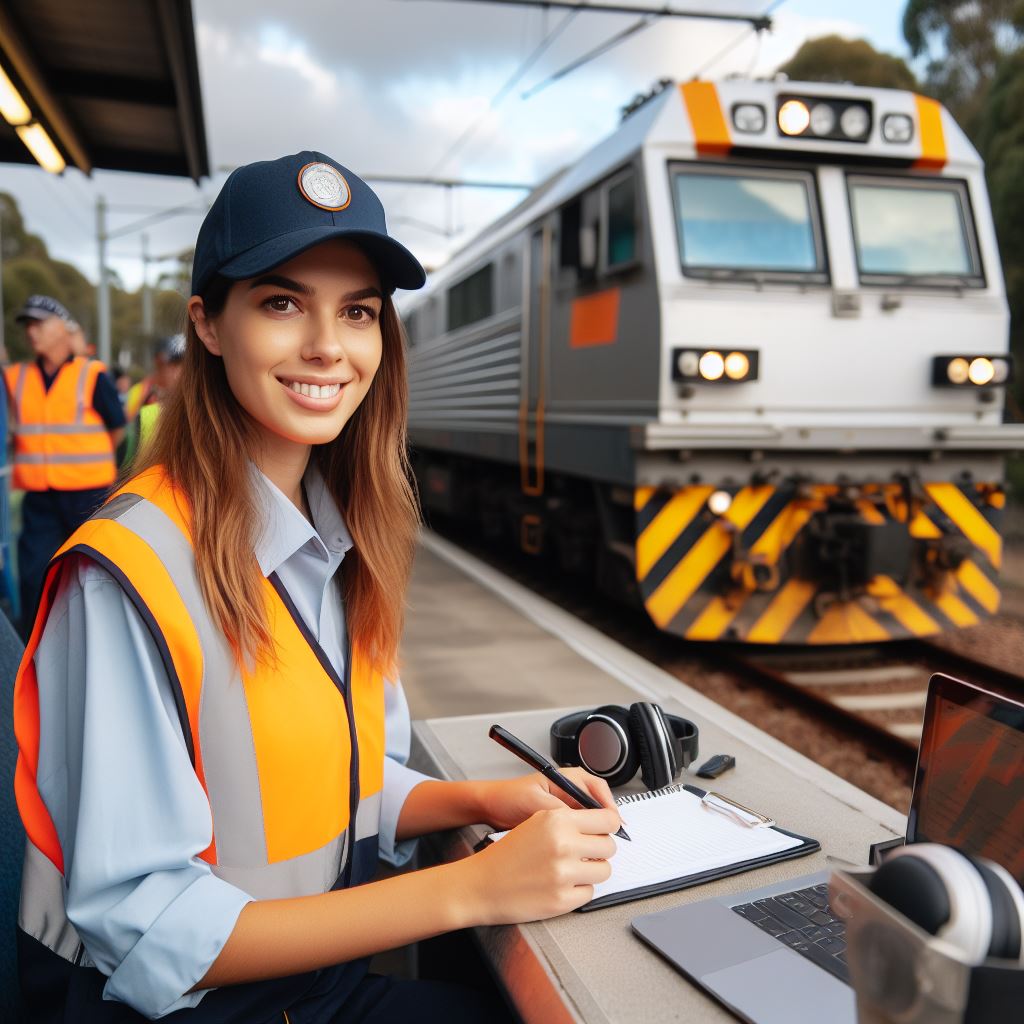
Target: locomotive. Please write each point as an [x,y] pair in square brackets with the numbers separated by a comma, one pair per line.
[745,361]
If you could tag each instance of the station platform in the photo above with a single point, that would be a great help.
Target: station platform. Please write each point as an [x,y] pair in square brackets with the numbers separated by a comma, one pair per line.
[479,648]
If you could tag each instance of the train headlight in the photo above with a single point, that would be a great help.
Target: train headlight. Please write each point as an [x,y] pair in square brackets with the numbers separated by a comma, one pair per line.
[897,128]
[737,366]
[688,363]
[981,371]
[794,117]
[714,366]
[823,119]
[957,371]
[711,365]
[971,371]
[855,122]
[749,117]
[719,503]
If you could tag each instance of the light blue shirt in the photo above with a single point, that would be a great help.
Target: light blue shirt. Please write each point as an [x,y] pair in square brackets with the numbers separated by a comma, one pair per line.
[116,778]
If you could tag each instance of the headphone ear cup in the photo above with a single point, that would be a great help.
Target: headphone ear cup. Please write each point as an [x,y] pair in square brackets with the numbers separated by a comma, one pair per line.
[1007,909]
[605,746]
[941,891]
[654,740]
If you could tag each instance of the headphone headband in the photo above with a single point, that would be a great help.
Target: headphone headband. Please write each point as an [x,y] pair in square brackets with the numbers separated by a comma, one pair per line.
[682,735]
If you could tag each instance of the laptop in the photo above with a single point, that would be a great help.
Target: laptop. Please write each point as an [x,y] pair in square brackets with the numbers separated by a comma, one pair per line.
[776,955]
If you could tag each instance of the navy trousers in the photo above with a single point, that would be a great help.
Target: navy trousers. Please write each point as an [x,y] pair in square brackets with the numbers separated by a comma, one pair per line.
[48,518]
[383,1000]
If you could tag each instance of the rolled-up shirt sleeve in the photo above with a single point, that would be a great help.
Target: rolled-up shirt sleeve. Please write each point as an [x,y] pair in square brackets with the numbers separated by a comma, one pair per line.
[399,779]
[130,812]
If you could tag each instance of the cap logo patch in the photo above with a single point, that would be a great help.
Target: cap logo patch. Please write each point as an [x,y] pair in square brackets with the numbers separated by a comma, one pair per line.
[321,185]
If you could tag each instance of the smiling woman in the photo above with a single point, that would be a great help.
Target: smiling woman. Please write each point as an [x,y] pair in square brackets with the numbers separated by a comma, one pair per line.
[212,733]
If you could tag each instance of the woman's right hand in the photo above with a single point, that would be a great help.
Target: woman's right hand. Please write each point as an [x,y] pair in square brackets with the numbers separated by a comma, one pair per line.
[546,866]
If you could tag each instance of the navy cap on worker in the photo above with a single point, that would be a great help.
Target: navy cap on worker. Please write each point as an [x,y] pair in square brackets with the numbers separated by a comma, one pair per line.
[42,307]
[270,211]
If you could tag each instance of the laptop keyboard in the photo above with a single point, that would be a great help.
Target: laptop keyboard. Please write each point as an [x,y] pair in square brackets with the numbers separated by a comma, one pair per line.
[802,920]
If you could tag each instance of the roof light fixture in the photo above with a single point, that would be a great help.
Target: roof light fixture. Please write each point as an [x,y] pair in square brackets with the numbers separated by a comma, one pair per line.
[13,108]
[749,117]
[41,146]
[897,128]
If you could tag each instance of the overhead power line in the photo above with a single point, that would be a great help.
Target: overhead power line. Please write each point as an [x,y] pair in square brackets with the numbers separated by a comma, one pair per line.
[756,21]
[608,44]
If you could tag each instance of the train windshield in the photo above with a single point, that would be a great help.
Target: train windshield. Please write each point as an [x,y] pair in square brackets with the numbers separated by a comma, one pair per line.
[913,232]
[744,223]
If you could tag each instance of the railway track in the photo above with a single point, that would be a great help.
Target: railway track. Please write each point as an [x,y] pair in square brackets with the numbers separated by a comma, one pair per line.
[882,687]
[855,710]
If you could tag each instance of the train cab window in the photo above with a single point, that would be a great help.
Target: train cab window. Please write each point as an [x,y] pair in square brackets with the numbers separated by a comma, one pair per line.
[911,231]
[739,223]
[620,236]
[472,298]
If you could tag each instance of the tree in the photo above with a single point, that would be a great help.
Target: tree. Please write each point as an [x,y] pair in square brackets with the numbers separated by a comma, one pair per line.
[964,43]
[28,269]
[1000,140]
[835,59]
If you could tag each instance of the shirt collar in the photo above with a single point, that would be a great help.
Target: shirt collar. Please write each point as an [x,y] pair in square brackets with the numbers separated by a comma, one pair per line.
[285,529]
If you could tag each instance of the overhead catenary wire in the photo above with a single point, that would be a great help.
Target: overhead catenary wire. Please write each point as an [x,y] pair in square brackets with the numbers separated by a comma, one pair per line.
[598,51]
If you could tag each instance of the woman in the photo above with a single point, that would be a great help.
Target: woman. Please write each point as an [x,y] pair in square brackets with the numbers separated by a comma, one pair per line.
[211,751]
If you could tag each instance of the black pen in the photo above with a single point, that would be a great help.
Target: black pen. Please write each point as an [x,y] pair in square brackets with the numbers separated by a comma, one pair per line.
[541,764]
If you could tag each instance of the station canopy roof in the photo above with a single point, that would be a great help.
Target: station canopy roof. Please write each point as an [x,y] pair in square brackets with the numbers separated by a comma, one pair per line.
[115,83]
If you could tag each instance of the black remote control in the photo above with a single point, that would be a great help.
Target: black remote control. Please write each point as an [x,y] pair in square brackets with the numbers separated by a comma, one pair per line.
[714,766]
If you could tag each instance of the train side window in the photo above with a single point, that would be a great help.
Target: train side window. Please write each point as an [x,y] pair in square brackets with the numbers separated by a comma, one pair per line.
[472,298]
[569,235]
[620,221]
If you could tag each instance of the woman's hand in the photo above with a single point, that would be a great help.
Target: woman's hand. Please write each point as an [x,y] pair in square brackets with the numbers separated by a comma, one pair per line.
[506,803]
[546,866]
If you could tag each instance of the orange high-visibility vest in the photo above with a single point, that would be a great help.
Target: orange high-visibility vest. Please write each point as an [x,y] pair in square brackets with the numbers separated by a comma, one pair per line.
[290,755]
[60,441]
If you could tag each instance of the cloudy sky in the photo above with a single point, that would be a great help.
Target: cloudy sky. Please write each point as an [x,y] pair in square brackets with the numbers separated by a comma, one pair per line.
[390,86]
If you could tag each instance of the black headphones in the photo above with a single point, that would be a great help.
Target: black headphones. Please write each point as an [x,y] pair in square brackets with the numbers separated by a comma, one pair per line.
[613,743]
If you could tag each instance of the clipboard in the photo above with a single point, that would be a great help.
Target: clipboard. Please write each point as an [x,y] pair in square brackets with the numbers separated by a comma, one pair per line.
[743,820]
[802,846]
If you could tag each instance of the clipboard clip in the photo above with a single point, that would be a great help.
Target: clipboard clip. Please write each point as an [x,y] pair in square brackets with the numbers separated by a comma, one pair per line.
[744,815]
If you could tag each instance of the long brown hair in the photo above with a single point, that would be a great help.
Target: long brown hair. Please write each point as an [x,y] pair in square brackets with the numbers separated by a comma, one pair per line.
[205,440]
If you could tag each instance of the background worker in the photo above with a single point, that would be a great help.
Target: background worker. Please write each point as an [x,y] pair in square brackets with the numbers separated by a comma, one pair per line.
[67,420]
[143,403]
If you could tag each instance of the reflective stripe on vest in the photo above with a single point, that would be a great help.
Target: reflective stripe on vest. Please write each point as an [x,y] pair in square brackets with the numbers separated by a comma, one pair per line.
[60,441]
[271,744]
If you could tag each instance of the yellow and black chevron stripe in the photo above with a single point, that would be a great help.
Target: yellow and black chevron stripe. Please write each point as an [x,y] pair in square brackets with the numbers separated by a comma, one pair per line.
[697,570]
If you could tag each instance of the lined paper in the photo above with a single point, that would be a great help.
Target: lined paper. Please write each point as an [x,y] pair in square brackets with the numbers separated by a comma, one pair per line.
[674,835]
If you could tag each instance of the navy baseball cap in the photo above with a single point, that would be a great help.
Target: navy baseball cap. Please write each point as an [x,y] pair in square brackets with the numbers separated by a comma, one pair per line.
[270,211]
[42,307]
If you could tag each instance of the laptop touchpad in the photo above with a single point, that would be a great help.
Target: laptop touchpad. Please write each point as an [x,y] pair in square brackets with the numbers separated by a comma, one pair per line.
[783,988]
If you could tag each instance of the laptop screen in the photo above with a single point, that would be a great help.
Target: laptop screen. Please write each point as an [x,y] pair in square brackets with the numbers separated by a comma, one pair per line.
[969,787]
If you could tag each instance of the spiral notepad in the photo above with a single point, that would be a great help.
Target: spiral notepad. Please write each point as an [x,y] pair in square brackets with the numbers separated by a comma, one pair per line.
[677,840]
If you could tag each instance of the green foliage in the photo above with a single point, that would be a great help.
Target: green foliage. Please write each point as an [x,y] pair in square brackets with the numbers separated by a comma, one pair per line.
[1000,140]
[28,269]
[964,43]
[835,59]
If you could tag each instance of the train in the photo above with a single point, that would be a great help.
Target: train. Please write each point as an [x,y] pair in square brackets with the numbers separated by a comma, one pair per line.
[744,364]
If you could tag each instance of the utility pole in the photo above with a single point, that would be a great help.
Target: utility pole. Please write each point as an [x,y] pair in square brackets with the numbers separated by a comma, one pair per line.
[147,294]
[103,293]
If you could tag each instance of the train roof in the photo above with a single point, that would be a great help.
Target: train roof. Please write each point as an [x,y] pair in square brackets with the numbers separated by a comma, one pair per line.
[699,119]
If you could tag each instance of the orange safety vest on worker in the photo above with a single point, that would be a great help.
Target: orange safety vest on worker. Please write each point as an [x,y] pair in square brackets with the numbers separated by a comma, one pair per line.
[60,441]
[290,756]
